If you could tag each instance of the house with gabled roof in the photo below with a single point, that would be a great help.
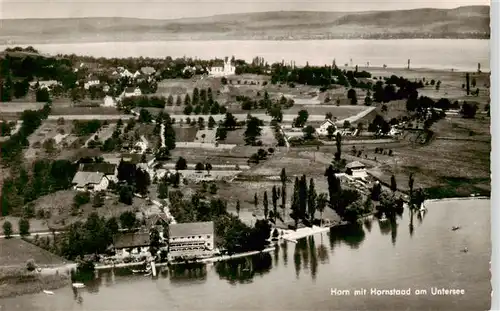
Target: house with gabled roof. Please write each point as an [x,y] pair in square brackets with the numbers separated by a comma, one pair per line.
[132,243]
[108,169]
[131,92]
[322,129]
[90,181]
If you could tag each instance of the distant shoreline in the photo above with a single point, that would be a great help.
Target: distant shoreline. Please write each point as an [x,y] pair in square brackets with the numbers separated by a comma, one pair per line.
[27,42]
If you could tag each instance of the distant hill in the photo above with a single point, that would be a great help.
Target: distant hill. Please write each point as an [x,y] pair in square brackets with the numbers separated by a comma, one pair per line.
[462,22]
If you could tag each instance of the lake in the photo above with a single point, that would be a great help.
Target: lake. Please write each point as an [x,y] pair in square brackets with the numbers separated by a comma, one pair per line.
[301,276]
[447,54]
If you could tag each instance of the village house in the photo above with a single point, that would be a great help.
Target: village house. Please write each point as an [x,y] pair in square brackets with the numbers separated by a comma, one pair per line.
[395,131]
[125,73]
[222,71]
[191,240]
[106,88]
[91,81]
[131,92]
[49,84]
[322,130]
[356,169]
[134,243]
[108,169]
[90,181]
[109,101]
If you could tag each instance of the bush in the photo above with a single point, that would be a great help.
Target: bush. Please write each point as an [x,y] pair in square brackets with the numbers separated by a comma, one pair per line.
[24,227]
[7,229]
[81,198]
[30,265]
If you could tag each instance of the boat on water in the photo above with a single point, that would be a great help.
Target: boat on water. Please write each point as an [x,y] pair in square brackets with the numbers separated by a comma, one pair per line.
[78,285]
[48,292]
[455,228]
[465,250]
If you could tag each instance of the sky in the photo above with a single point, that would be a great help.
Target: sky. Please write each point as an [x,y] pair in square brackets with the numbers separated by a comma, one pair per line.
[168,9]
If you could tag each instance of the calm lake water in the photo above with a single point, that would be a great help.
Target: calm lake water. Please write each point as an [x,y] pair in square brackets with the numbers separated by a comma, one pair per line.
[300,276]
[462,55]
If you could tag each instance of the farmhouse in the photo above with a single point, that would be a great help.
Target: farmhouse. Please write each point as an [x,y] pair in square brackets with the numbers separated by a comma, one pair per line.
[108,169]
[356,169]
[135,243]
[222,71]
[191,240]
[90,181]
[322,130]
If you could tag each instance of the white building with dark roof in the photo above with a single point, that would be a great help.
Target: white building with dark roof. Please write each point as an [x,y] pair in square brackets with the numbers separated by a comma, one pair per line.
[191,240]
[133,243]
[90,181]
[356,169]
[131,92]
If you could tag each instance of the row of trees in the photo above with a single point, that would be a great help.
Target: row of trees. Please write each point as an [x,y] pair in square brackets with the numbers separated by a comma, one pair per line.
[23,227]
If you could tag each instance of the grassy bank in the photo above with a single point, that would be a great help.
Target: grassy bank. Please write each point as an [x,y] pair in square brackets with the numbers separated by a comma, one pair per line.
[16,281]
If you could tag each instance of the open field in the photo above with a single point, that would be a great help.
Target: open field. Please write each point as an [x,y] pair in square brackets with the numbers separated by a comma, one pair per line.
[185,133]
[18,107]
[453,163]
[340,112]
[213,156]
[69,111]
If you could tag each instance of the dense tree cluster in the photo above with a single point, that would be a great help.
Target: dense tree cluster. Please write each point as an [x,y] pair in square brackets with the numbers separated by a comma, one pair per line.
[128,103]
[318,76]
[90,237]
[24,186]
[84,128]
[11,149]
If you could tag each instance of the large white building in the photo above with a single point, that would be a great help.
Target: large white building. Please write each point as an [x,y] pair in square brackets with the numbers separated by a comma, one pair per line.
[222,71]
[191,240]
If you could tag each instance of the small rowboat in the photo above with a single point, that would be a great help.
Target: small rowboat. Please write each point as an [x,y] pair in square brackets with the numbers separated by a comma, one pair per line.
[455,228]
[48,292]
